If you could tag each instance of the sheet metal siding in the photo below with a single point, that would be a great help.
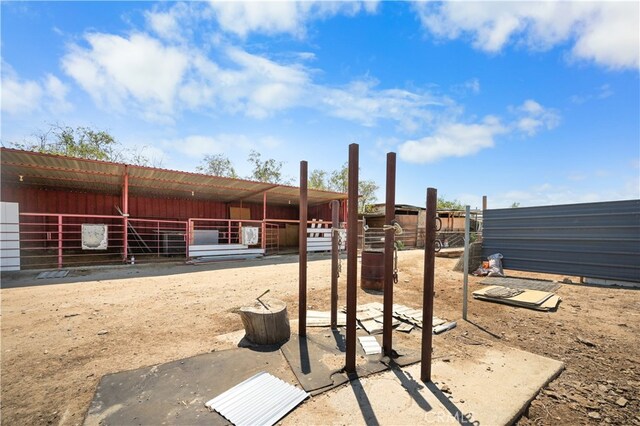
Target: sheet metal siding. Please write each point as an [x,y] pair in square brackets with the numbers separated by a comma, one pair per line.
[260,400]
[598,240]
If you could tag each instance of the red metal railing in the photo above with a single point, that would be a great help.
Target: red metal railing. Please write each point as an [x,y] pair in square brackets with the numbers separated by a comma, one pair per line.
[56,240]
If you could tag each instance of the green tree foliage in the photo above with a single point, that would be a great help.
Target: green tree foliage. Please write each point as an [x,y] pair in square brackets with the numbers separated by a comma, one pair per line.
[444,204]
[266,170]
[338,180]
[515,205]
[217,165]
[84,142]
[318,180]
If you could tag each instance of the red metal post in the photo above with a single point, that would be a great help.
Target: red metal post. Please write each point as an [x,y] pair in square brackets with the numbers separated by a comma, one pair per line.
[264,221]
[302,247]
[389,239]
[335,259]
[427,296]
[59,241]
[352,260]
[125,214]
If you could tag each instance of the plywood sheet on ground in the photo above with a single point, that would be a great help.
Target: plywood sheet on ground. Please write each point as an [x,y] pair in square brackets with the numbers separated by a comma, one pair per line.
[522,283]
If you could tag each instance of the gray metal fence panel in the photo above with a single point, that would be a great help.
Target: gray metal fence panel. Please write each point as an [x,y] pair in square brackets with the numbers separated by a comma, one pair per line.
[596,240]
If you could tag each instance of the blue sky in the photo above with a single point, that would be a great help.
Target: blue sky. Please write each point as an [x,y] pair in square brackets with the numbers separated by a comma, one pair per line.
[536,103]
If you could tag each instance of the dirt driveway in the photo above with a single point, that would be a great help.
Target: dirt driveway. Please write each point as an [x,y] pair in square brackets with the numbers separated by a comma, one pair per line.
[59,339]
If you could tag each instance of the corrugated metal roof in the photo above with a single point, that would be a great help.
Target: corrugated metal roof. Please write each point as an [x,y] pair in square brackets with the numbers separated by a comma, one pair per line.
[260,400]
[57,171]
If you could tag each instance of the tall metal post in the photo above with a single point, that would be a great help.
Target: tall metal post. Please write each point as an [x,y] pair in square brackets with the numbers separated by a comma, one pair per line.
[264,221]
[465,286]
[484,202]
[125,214]
[389,239]
[427,296]
[60,241]
[352,259]
[302,246]
[335,259]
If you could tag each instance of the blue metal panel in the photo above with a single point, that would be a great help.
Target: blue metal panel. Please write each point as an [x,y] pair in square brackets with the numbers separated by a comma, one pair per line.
[597,240]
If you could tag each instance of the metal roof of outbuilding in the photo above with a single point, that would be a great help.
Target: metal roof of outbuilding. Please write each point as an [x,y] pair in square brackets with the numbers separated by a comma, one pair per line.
[79,174]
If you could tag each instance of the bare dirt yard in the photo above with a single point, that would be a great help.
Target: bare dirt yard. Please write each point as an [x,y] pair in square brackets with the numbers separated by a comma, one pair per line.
[59,337]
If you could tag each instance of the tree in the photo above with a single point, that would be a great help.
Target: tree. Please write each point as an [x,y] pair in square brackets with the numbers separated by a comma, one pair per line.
[515,205]
[217,165]
[339,179]
[444,204]
[339,182]
[318,180]
[266,171]
[84,142]
[366,195]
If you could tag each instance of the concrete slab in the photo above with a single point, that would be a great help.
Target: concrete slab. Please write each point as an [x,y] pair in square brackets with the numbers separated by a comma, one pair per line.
[175,392]
[492,387]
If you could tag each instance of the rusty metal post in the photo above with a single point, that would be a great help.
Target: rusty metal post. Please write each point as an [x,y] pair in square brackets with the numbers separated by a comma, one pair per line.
[389,240]
[302,247]
[352,259]
[484,202]
[335,259]
[125,214]
[427,296]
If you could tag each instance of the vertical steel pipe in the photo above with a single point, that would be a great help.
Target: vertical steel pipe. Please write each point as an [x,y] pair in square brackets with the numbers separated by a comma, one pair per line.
[59,241]
[465,282]
[335,259]
[427,296]
[389,239]
[352,259]
[264,221]
[125,214]
[302,247]
[484,202]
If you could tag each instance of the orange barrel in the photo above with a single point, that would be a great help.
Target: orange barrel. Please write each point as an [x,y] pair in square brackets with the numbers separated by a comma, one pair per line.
[372,272]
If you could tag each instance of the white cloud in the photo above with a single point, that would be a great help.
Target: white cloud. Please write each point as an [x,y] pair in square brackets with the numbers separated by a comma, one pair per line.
[115,71]
[602,32]
[452,140]
[533,117]
[21,96]
[363,103]
[197,146]
[273,17]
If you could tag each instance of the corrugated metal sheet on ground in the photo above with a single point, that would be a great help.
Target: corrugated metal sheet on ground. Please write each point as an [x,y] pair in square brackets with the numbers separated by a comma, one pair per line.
[53,274]
[370,345]
[323,318]
[260,400]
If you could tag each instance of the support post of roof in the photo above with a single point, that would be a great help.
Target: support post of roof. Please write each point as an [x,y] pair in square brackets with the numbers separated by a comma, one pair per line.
[302,247]
[352,260]
[389,240]
[264,220]
[427,295]
[125,214]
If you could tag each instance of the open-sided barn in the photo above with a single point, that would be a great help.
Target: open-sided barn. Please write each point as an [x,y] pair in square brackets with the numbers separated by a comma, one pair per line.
[63,211]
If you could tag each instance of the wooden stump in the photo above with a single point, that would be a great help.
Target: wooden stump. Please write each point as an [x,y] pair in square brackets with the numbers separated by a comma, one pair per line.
[266,323]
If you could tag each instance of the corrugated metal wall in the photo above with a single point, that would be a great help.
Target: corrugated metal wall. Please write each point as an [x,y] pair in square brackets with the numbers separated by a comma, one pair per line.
[596,240]
[36,200]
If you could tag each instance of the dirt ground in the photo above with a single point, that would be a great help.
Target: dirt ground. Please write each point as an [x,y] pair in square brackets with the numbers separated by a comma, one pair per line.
[60,336]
